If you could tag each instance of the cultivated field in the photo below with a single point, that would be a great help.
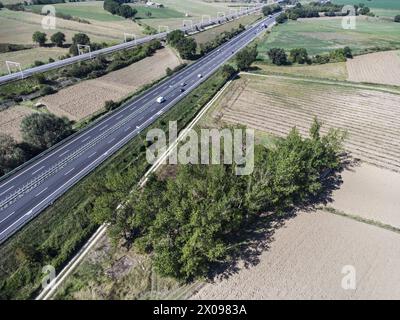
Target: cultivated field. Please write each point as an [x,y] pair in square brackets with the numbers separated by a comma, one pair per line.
[323,35]
[26,57]
[369,192]
[194,9]
[85,98]
[380,67]
[306,258]
[18,27]
[10,120]
[276,104]
[334,71]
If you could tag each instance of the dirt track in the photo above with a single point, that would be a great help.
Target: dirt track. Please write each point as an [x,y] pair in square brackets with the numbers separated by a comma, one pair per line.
[10,120]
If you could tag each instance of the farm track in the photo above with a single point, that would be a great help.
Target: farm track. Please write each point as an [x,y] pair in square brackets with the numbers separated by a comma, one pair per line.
[371,117]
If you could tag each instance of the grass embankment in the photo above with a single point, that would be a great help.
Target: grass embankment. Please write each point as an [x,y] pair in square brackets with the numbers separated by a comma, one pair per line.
[59,232]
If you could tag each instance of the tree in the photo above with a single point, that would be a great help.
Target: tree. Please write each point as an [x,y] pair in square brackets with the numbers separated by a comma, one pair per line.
[299,55]
[397,18]
[126,11]
[364,10]
[58,39]
[81,38]
[187,48]
[228,71]
[1,5]
[78,38]
[246,57]
[175,36]
[44,130]
[39,37]
[278,56]
[11,155]
[282,18]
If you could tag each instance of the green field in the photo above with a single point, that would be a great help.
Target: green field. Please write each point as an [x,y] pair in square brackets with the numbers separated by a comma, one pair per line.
[197,8]
[157,13]
[85,10]
[383,8]
[320,36]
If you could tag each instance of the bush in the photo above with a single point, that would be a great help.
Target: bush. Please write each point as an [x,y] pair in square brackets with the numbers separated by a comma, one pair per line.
[46,90]
[110,105]
[38,63]
[397,18]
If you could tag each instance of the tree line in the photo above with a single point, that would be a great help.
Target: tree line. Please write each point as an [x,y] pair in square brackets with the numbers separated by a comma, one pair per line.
[278,56]
[190,220]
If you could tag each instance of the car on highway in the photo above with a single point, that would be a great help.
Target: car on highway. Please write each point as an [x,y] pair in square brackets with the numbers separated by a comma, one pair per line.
[160,99]
[183,84]
[199,75]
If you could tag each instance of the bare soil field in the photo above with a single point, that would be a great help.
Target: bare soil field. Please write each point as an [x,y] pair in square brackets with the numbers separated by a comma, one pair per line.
[10,120]
[276,104]
[85,98]
[371,193]
[27,57]
[333,71]
[379,67]
[306,258]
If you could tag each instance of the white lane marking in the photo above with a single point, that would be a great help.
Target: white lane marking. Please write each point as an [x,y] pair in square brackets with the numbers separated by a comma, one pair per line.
[126,129]
[7,216]
[86,139]
[141,118]
[92,154]
[6,190]
[119,117]
[63,153]
[102,128]
[41,192]
[33,173]
[67,173]
[111,141]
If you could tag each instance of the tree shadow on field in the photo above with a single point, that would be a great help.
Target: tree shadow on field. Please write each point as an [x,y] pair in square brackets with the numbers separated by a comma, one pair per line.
[252,242]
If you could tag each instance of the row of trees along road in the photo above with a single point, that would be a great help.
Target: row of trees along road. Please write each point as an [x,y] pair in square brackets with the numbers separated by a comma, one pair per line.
[195,219]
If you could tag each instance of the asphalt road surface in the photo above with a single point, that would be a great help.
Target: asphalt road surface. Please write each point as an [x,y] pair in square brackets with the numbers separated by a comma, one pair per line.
[36,186]
[129,44]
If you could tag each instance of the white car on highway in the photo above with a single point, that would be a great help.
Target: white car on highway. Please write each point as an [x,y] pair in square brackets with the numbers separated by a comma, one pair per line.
[160,99]
[199,75]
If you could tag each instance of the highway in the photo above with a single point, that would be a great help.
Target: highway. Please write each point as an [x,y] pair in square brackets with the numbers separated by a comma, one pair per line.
[126,45]
[36,186]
